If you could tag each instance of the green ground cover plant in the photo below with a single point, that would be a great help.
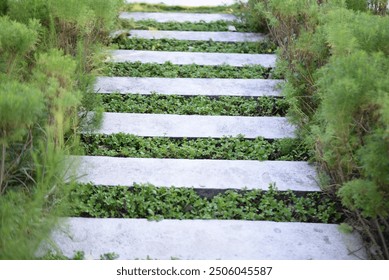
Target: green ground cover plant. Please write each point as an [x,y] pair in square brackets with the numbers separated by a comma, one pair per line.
[219,25]
[228,148]
[194,105]
[169,70]
[265,47]
[147,201]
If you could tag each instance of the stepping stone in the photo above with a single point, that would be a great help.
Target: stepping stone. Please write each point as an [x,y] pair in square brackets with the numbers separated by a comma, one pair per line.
[206,240]
[186,3]
[187,58]
[189,87]
[177,17]
[231,37]
[194,126]
[204,175]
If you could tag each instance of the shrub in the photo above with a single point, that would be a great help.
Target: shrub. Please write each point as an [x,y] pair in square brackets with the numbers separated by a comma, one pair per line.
[46,53]
[20,108]
[54,74]
[336,63]
[3,7]
[16,41]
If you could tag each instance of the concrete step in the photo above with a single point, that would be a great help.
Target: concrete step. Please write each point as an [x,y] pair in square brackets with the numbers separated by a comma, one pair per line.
[186,3]
[206,240]
[205,175]
[189,87]
[229,37]
[194,126]
[177,17]
[187,58]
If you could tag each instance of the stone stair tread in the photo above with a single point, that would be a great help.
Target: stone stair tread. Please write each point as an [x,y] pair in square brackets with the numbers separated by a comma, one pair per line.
[177,17]
[189,86]
[232,37]
[206,240]
[187,58]
[186,3]
[196,126]
[206,175]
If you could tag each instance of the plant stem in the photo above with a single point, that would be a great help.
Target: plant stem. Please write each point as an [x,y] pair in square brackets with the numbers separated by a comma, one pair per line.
[2,167]
[386,252]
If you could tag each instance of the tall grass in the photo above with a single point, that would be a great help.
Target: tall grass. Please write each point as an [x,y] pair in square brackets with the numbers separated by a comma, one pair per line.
[335,56]
[48,50]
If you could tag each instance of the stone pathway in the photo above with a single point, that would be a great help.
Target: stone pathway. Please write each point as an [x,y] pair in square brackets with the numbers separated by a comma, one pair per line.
[198,58]
[178,17]
[188,86]
[178,126]
[200,174]
[198,239]
[230,37]
[197,3]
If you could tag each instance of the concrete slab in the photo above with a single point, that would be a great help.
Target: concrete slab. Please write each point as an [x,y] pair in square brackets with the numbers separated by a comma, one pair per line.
[194,126]
[189,87]
[200,174]
[186,3]
[187,58]
[177,17]
[229,37]
[206,240]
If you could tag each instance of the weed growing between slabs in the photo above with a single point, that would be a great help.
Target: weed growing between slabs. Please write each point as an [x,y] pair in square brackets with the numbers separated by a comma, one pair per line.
[196,105]
[147,201]
[169,70]
[219,25]
[227,148]
[265,47]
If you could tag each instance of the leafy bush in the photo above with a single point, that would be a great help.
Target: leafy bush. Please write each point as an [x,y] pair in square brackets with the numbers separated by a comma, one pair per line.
[20,108]
[46,53]
[3,7]
[16,41]
[336,62]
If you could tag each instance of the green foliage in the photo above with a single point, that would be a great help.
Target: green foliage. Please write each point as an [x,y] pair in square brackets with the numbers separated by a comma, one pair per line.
[336,65]
[20,107]
[169,70]
[79,255]
[366,196]
[196,105]
[357,5]
[147,201]
[16,41]
[353,137]
[3,7]
[27,215]
[25,10]
[196,46]
[46,49]
[54,73]
[348,32]
[219,25]
[230,148]
[253,15]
